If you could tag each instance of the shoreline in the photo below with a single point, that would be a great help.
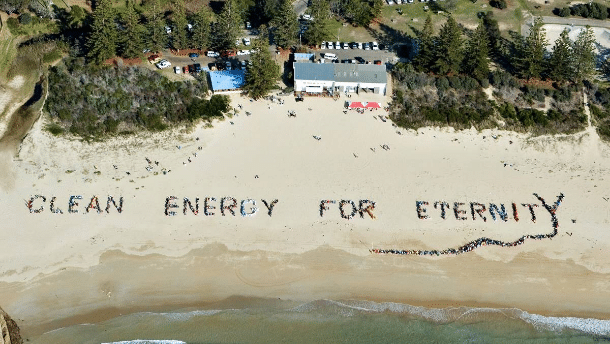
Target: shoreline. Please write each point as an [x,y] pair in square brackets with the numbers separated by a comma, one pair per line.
[305,274]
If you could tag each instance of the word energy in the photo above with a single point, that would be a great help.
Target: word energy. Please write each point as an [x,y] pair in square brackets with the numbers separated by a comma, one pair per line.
[226,206]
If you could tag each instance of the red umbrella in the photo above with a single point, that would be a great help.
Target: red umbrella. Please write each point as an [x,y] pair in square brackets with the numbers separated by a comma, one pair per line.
[354,105]
[372,105]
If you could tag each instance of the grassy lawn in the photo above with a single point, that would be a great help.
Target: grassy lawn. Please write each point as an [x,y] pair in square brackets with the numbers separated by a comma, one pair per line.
[36,27]
[465,12]
[8,51]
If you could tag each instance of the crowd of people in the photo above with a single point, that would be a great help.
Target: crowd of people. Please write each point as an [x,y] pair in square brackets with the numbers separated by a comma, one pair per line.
[486,241]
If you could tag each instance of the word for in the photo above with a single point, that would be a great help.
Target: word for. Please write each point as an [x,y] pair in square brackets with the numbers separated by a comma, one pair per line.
[94,204]
[364,206]
[228,205]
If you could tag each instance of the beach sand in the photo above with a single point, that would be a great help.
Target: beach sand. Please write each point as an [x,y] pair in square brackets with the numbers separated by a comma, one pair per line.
[61,269]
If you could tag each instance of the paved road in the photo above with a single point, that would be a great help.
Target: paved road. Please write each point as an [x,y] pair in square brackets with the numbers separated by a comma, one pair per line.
[300,6]
[565,21]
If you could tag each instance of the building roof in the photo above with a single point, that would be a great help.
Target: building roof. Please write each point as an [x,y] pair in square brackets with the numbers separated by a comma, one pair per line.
[340,72]
[227,79]
[303,56]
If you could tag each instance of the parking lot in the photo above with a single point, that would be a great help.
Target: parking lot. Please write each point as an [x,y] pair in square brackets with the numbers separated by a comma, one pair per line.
[369,55]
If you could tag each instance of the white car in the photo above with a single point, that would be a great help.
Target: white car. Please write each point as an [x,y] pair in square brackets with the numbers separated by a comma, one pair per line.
[248,26]
[375,46]
[246,41]
[243,52]
[306,17]
[366,46]
[177,70]
[345,45]
[163,64]
[211,53]
[168,29]
[237,42]
[337,45]
[243,65]
[359,45]
[331,45]
[390,2]
[323,45]
[189,27]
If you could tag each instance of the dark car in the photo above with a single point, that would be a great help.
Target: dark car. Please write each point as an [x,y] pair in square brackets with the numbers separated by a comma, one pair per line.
[197,68]
[360,60]
[191,69]
[193,55]
[299,99]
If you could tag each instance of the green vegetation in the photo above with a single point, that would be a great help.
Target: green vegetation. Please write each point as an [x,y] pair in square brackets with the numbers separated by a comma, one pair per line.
[95,102]
[285,26]
[263,72]
[320,28]
[33,26]
[587,10]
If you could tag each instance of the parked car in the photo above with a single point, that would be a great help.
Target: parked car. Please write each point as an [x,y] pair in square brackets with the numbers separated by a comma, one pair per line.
[177,70]
[168,30]
[360,60]
[345,45]
[163,64]
[244,64]
[248,26]
[306,17]
[337,45]
[197,67]
[330,56]
[375,45]
[331,45]
[193,55]
[246,41]
[189,27]
[353,45]
[243,52]
[228,53]
[390,2]
[228,65]
[191,69]
[185,69]
[154,59]
[377,62]
[359,45]
[211,53]
[365,46]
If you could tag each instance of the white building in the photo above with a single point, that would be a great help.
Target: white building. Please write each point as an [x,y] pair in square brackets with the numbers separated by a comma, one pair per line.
[339,77]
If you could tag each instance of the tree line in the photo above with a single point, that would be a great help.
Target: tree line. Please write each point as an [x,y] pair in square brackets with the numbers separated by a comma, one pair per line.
[454,51]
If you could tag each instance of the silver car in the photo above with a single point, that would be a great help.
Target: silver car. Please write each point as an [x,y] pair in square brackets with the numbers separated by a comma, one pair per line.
[345,45]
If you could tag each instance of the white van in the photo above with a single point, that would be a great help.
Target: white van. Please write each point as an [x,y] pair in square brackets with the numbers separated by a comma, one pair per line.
[330,56]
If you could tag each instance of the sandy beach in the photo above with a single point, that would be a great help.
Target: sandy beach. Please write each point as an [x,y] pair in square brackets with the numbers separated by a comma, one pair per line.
[91,262]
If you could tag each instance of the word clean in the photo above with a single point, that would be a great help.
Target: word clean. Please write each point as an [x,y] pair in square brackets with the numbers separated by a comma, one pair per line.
[36,204]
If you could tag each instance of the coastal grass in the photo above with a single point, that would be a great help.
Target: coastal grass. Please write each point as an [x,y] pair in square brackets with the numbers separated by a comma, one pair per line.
[8,51]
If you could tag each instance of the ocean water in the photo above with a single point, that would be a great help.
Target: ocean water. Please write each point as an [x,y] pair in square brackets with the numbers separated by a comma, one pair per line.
[328,321]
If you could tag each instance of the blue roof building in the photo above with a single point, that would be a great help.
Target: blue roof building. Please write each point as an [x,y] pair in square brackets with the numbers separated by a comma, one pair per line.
[227,81]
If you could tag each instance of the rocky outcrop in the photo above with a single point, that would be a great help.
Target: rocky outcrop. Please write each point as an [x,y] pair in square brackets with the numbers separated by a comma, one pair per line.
[9,330]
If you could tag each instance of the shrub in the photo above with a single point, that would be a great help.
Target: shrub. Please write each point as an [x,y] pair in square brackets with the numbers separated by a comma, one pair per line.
[55,129]
[564,12]
[51,56]
[499,4]
[25,19]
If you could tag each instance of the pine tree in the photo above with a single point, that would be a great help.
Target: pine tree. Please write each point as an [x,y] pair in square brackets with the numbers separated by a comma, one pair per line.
[102,41]
[493,33]
[530,62]
[156,38]
[286,25]
[228,26]
[477,53]
[132,38]
[263,72]
[584,54]
[179,30]
[201,28]
[319,28]
[449,50]
[561,64]
[76,17]
[425,56]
